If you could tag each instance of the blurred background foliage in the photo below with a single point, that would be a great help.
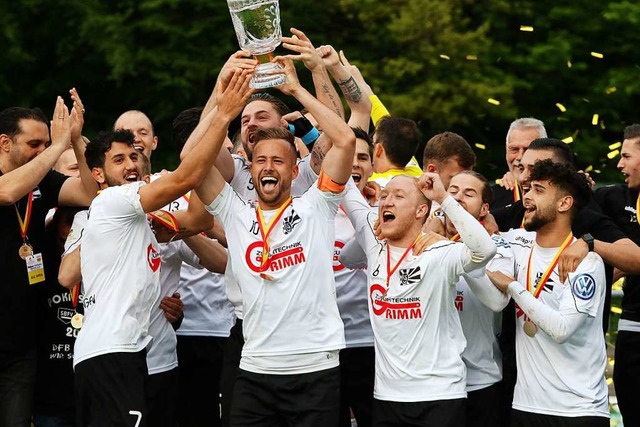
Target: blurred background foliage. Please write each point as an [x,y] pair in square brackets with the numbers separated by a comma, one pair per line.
[460,65]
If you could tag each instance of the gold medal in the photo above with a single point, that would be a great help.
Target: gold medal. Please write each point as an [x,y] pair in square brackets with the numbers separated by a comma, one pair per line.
[530,328]
[25,251]
[76,320]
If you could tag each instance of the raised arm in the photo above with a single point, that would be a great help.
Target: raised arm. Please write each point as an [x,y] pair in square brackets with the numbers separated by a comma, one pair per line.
[472,233]
[78,192]
[199,161]
[16,183]
[325,92]
[340,158]
[354,89]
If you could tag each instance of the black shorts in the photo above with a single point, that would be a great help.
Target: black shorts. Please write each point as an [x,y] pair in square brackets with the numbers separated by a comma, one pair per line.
[303,400]
[485,407]
[110,390]
[530,419]
[162,399]
[441,413]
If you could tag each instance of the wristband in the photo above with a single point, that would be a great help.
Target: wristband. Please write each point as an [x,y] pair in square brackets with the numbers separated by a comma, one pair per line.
[304,130]
[378,110]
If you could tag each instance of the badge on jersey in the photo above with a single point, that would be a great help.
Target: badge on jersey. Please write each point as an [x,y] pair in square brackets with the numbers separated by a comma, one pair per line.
[584,287]
[35,268]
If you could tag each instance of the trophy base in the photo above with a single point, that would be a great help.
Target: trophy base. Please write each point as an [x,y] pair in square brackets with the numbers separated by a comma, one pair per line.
[267,75]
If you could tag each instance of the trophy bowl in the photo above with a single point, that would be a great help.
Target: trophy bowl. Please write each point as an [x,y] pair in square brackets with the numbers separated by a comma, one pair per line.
[257,26]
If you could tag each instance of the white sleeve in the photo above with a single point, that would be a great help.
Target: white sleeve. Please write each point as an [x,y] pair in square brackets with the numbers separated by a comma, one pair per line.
[226,205]
[582,297]
[361,215]
[479,247]
[187,256]
[325,202]
[353,256]
[305,179]
[74,237]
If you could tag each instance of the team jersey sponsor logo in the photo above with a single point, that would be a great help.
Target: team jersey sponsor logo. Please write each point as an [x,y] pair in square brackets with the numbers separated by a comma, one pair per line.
[337,266]
[584,287]
[459,301]
[500,242]
[65,314]
[289,222]
[409,276]
[398,308]
[153,258]
[282,257]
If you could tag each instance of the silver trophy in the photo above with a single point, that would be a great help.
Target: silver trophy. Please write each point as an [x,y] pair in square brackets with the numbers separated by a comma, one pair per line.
[257,25]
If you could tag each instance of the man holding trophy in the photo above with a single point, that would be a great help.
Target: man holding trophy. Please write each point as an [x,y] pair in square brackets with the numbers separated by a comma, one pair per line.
[281,253]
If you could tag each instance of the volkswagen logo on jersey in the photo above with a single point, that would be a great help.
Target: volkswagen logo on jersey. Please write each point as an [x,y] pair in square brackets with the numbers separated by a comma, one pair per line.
[584,287]
[153,258]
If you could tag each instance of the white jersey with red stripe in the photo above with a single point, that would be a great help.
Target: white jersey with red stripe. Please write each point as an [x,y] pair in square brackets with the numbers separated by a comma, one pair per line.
[291,309]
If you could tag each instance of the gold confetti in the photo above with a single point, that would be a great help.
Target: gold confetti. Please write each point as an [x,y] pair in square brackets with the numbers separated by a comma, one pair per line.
[594,119]
[609,381]
[561,107]
[588,169]
[471,57]
[569,64]
[613,154]
[597,55]
[610,90]
[493,101]
[615,145]
[616,310]
[611,362]
[602,124]
[481,146]
[526,28]
[445,57]
[568,140]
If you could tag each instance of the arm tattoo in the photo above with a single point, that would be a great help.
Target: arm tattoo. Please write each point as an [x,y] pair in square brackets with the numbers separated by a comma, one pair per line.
[317,156]
[327,91]
[351,90]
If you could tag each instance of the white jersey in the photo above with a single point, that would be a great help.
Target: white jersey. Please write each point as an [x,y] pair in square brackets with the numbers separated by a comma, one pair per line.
[242,183]
[120,265]
[481,324]
[351,289]
[207,310]
[296,312]
[418,336]
[210,314]
[561,369]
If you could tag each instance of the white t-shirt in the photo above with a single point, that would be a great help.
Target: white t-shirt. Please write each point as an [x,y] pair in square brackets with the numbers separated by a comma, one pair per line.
[561,370]
[351,289]
[481,324]
[242,183]
[418,336]
[295,313]
[120,265]
[207,311]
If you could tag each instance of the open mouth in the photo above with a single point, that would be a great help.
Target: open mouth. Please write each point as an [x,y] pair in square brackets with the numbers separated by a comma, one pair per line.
[138,147]
[268,182]
[356,177]
[132,177]
[387,217]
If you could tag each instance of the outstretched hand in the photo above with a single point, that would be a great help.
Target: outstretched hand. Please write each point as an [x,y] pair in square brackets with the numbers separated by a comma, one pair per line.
[301,44]
[60,124]
[232,98]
